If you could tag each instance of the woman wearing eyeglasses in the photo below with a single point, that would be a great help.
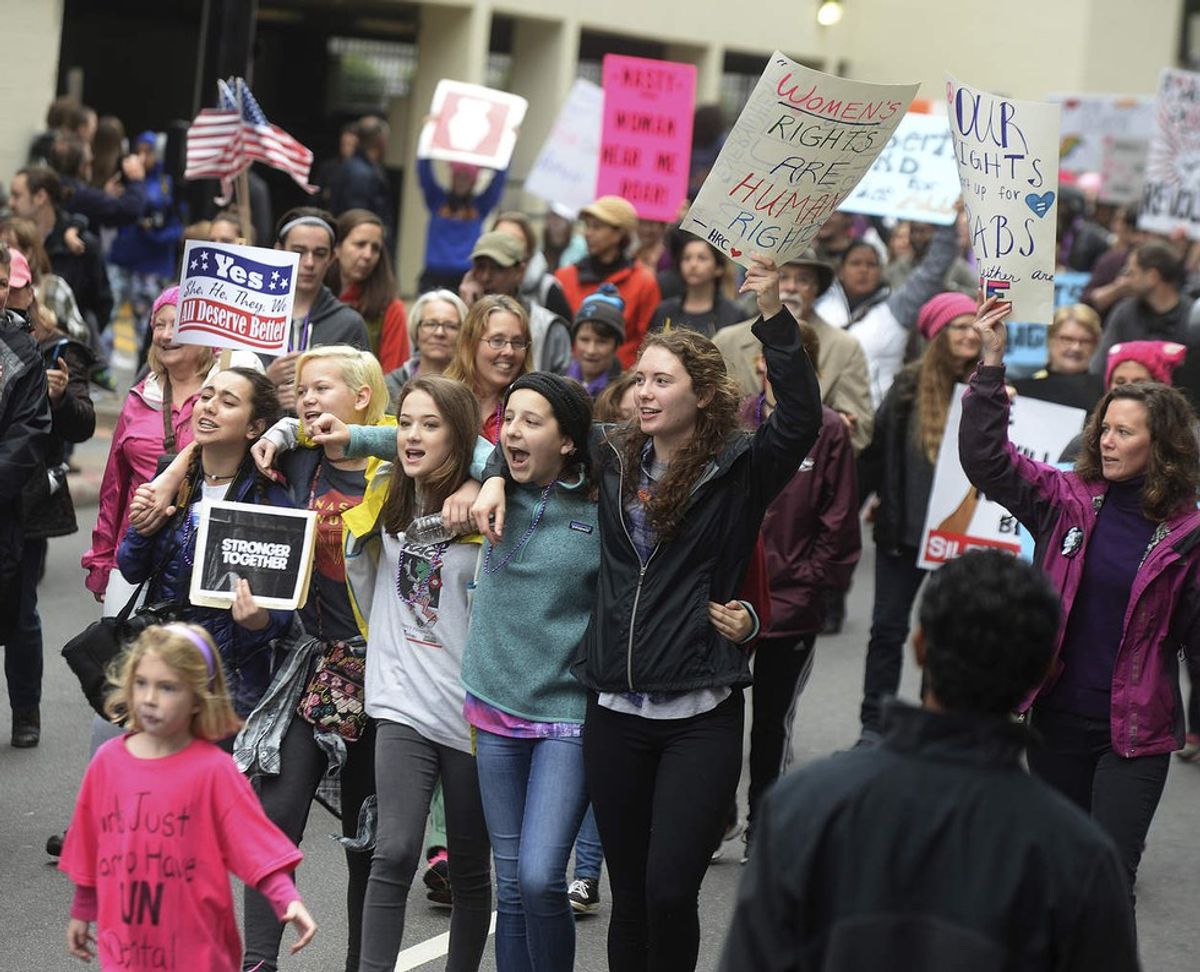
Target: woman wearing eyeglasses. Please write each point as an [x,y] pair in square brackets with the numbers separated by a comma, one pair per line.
[493,352]
[433,327]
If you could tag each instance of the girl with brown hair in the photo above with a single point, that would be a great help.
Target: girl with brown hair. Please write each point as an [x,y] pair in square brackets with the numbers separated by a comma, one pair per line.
[413,597]
[898,468]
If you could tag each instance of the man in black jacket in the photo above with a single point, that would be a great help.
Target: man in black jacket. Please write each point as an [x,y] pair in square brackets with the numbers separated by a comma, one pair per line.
[24,426]
[36,194]
[935,849]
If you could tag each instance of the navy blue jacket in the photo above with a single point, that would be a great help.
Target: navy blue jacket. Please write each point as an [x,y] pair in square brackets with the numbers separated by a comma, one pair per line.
[166,558]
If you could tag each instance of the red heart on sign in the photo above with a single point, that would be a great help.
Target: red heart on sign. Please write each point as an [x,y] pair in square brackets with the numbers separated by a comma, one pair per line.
[734,252]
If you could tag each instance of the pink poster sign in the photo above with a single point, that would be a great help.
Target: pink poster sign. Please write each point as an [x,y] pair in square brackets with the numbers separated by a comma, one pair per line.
[646,141]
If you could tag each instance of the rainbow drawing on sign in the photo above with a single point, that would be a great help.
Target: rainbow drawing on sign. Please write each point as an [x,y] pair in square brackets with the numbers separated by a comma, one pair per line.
[995,288]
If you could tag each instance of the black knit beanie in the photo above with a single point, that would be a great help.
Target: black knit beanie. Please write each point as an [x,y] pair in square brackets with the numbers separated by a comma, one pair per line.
[570,402]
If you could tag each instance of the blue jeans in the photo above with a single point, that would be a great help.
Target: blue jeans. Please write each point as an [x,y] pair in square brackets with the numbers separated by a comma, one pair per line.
[533,798]
[589,852]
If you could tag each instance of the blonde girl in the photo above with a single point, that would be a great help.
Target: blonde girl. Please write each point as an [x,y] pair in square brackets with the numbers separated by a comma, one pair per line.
[163,816]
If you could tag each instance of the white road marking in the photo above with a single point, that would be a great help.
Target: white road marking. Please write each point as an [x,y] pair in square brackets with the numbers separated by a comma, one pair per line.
[417,955]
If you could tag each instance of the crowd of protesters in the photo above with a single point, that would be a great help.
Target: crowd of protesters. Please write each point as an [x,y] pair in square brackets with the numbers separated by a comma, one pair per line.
[589,493]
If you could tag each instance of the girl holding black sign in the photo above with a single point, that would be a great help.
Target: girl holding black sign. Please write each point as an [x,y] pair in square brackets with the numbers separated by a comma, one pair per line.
[234,408]
[415,597]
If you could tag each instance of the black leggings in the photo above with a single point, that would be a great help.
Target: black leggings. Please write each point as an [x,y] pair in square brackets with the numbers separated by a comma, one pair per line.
[661,790]
[407,768]
[781,670]
[1121,795]
[287,799]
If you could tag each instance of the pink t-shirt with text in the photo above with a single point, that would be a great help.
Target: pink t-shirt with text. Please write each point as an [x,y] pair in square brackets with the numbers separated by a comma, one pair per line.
[157,838]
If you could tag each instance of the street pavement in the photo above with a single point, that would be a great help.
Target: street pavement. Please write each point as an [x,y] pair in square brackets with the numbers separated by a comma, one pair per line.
[37,788]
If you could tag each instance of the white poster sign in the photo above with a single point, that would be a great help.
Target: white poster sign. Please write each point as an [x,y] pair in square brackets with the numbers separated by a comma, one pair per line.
[1171,194]
[1123,170]
[1087,120]
[915,176]
[565,169]
[1007,153]
[473,124]
[960,518]
[798,149]
[233,296]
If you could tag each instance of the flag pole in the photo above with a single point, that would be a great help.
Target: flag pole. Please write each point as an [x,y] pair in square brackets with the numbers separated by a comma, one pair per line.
[241,190]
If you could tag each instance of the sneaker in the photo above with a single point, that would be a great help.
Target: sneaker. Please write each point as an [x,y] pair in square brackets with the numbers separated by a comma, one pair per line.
[103,378]
[437,878]
[26,728]
[1191,749]
[584,895]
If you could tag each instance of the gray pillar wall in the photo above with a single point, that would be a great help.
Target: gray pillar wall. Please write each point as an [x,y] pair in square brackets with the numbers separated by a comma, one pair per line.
[452,43]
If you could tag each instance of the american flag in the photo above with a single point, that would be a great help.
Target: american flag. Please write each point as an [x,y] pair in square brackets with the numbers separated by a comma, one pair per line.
[224,140]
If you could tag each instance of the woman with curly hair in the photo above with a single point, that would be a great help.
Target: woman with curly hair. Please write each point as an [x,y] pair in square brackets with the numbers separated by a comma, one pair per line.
[1117,537]
[682,494]
[898,468]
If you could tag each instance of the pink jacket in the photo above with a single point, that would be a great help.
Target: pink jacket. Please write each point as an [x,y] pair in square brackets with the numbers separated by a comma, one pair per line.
[1162,619]
[137,443]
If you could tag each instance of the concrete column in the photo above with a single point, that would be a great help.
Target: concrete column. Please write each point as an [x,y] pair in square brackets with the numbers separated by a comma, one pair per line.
[32,34]
[710,66]
[452,43]
[544,59]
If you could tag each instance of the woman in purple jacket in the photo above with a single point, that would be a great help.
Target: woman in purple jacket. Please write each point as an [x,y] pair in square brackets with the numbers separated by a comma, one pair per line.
[1118,537]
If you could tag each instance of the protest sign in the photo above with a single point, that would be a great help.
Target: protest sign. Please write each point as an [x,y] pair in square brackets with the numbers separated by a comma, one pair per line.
[1087,120]
[565,169]
[646,141]
[1123,170]
[959,518]
[473,124]
[233,296]
[268,546]
[1007,153]
[1171,194]
[915,176]
[1025,351]
[798,149]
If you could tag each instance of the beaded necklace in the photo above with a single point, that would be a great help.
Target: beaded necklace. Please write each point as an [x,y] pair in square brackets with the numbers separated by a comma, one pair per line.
[537,518]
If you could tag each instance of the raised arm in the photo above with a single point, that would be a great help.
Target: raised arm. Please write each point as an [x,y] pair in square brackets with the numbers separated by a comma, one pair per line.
[991,462]
[782,442]
[927,279]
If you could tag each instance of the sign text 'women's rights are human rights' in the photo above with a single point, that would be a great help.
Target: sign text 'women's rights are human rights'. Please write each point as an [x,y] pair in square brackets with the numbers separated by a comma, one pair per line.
[234,296]
[798,149]
[1007,154]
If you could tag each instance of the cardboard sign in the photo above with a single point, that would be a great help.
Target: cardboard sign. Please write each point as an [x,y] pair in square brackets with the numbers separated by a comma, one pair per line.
[1007,153]
[473,124]
[234,296]
[915,176]
[1171,194]
[268,546]
[960,518]
[798,149]
[646,141]
[565,169]
[1087,120]
[1123,170]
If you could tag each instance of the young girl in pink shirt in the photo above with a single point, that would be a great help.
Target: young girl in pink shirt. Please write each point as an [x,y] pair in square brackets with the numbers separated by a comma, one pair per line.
[163,815]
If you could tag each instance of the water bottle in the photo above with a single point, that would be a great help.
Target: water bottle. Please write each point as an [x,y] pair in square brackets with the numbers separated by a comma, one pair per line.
[428,529]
